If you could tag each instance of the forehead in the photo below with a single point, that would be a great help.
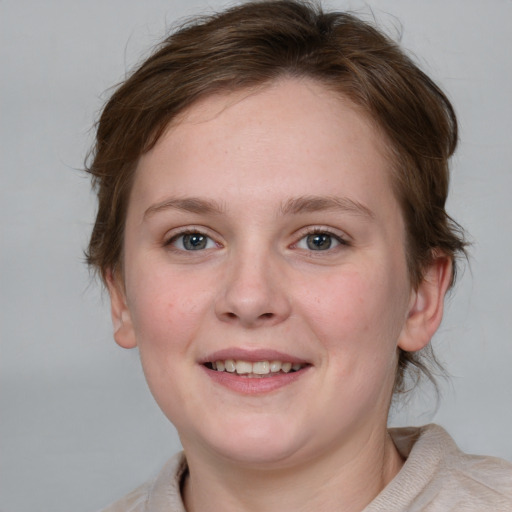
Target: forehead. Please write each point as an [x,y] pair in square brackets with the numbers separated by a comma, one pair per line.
[292,136]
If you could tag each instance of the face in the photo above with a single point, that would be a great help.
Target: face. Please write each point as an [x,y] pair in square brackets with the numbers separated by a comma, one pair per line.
[264,275]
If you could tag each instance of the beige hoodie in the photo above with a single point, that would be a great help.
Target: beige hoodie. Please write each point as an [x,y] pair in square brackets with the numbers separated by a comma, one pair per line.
[436,477]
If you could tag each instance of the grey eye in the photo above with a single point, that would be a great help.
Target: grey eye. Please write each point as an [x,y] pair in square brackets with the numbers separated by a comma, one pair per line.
[318,242]
[193,242]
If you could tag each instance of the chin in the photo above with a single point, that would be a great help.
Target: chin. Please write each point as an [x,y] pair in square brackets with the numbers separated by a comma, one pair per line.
[258,444]
[266,455]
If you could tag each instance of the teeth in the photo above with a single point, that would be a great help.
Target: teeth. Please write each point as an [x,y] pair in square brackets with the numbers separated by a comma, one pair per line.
[230,365]
[261,368]
[275,366]
[257,368]
[243,367]
[286,367]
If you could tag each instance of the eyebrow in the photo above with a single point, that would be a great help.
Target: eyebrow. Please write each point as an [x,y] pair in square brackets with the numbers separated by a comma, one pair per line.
[188,204]
[309,204]
[294,206]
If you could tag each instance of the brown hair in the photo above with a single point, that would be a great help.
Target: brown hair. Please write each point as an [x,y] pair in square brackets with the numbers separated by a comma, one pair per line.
[254,44]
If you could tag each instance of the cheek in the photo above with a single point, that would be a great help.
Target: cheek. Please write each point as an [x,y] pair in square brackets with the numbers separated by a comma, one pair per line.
[166,309]
[361,311]
[166,313]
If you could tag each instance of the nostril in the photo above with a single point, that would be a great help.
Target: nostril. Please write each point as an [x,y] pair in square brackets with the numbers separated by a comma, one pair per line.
[267,315]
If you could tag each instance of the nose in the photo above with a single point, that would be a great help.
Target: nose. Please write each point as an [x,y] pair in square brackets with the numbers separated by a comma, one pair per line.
[254,292]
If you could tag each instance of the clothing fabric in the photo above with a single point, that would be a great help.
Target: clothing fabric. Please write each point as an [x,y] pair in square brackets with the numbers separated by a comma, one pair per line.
[436,477]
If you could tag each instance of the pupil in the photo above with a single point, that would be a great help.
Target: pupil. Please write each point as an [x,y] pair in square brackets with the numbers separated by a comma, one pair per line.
[319,242]
[194,241]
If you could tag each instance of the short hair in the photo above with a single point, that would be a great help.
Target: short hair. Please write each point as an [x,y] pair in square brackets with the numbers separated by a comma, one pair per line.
[254,44]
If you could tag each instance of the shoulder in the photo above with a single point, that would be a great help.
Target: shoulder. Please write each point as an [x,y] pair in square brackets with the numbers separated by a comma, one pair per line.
[437,476]
[160,494]
[133,502]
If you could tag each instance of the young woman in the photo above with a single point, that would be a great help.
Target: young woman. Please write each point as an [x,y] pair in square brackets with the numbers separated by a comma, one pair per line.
[273,235]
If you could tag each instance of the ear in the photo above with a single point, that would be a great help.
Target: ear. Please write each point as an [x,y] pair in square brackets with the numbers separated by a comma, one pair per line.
[124,333]
[426,305]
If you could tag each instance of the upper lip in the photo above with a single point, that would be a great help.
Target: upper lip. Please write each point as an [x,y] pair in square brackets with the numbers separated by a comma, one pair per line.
[254,355]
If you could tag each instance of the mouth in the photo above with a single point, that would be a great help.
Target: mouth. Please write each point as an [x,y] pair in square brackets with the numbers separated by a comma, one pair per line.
[254,372]
[256,369]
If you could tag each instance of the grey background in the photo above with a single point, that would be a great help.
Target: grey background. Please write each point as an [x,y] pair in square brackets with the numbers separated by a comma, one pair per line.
[78,427]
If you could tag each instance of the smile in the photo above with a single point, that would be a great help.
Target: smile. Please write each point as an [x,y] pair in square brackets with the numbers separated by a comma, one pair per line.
[255,369]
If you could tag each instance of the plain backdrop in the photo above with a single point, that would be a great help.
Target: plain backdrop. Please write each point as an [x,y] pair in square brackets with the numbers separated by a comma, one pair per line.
[78,427]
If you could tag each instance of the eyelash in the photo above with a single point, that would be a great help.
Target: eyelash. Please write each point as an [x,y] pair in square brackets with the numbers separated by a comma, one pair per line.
[340,240]
[173,239]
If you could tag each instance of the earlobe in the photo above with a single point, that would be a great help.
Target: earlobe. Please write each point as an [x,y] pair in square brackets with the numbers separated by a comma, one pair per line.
[427,305]
[124,334]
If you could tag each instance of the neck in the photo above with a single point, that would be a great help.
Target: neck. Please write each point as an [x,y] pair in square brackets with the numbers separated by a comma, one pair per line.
[341,479]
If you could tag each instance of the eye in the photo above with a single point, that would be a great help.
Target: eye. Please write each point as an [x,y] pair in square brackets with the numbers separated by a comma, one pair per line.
[193,241]
[320,241]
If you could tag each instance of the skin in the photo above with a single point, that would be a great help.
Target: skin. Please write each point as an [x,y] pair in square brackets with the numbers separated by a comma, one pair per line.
[266,169]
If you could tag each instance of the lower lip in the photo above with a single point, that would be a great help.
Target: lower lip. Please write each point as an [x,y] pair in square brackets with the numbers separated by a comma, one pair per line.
[254,386]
